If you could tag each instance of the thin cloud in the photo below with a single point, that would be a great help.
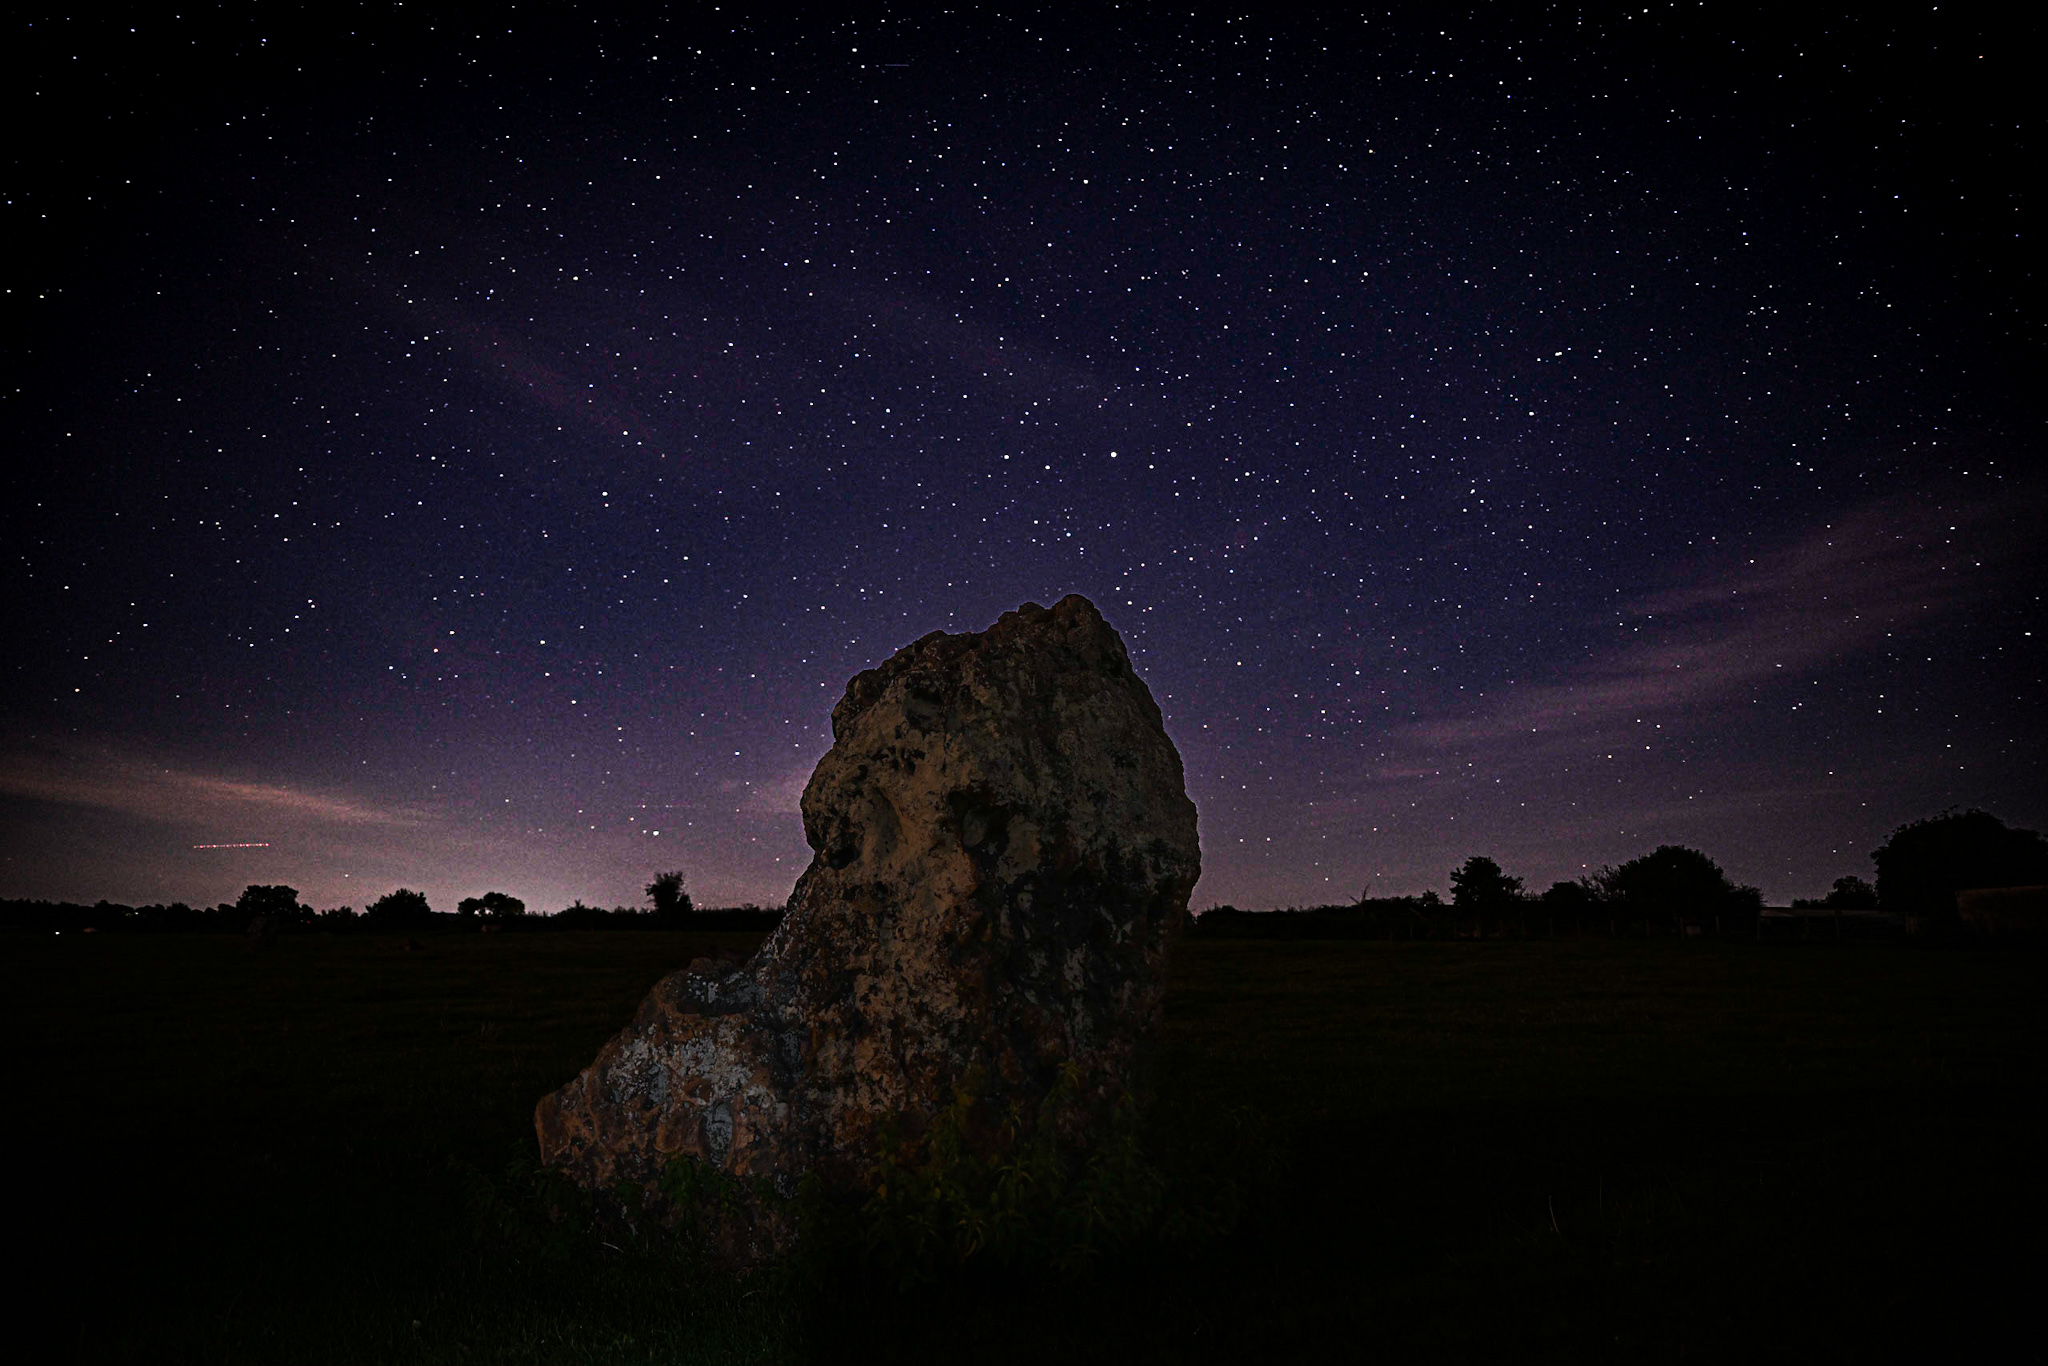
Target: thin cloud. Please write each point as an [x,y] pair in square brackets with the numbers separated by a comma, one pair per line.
[779,796]
[520,365]
[1885,569]
[589,394]
[107,780]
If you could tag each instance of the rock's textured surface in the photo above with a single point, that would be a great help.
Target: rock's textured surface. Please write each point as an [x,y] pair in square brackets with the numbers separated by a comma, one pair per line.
[1004,851]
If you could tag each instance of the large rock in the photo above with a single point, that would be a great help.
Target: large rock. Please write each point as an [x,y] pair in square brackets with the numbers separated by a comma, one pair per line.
[1004,851]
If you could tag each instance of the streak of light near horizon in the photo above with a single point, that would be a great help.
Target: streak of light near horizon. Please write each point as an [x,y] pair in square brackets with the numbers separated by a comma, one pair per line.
[231,846]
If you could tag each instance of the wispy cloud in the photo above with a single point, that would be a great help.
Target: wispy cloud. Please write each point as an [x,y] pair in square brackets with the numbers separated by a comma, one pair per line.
[521,364]
[1884,569]
[781,795]
[108,779]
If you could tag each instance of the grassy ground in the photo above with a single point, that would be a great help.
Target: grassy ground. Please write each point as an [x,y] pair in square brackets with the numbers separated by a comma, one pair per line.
[1583,1149]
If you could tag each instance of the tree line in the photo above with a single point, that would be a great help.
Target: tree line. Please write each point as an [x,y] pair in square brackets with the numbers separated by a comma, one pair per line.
[269,909]
[1919,871]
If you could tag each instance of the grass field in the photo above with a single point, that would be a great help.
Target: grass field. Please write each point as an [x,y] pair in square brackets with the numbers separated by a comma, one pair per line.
[1570,1150]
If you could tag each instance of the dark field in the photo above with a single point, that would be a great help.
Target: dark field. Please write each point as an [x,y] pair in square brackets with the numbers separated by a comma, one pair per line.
[1574,1150]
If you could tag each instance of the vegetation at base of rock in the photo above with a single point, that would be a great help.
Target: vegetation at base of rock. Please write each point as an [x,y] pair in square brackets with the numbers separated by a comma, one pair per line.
[1020,1196]
[1023,1196]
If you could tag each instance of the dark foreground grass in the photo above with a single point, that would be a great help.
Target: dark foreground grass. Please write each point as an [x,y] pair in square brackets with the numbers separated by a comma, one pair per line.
[1571,1150]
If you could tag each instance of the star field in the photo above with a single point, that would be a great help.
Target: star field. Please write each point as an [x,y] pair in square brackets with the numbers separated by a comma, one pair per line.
[477,457]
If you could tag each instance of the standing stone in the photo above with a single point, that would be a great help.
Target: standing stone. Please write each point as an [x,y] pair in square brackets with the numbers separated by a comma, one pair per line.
[1004,849]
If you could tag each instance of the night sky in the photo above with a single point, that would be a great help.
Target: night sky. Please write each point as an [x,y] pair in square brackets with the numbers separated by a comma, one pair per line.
[475,457]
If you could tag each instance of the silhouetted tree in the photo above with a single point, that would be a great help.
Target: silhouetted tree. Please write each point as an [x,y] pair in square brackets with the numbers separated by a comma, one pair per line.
[1481,886]
[1568,903]
[1923,865]
[496,905]
[667,894]
[278,904]
[1851,894]
[402,909]
[1676,880]
[1848,894]
[1568,896]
